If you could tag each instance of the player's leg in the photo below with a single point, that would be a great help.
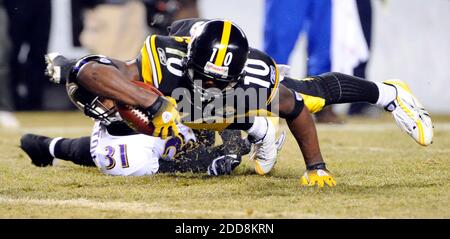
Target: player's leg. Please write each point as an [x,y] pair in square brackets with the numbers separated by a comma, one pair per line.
[213,160]
[265,145]
[205,157]
[393,96]
[205,137]
[233,142]
[125,155]
[42,150]
[334,88]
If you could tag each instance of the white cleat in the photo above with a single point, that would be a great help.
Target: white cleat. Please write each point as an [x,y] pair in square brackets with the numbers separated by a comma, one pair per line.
[58,67]
[280,141]
[264,152]
[409,114]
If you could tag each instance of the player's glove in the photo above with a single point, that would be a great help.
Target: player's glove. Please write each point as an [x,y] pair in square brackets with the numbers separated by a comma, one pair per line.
[165,117]
[317,174]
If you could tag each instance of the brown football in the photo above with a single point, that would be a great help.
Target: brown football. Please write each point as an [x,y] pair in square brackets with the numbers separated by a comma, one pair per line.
[135,117]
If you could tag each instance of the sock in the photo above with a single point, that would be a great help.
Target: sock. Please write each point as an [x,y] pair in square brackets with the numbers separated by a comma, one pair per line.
[258,129]
[51,147]
[386,96]
[341,88]
[74,150]
[336,88]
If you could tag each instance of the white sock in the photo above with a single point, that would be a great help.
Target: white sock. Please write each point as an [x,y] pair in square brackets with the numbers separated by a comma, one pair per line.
[387,94]
[258,129]
[51,147]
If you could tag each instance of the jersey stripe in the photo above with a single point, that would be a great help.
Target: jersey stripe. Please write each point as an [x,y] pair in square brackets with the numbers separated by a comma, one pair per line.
[223,43]
[275,87]
[145,66]
[156,59]
[152,63]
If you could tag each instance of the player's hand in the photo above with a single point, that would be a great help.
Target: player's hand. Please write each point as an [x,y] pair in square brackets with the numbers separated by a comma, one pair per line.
[165,120]
[317,175]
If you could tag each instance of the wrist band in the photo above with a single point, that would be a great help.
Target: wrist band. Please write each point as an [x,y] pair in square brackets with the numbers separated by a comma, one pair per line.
[155,107]
[316,166]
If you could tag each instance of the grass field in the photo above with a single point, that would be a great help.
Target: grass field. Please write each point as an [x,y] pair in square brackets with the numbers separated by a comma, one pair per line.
[381,173]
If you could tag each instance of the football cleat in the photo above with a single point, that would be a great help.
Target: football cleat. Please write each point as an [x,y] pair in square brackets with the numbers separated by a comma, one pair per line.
[409,114]
[58,67]
[224,165]
[264,151]
[280,141]
[37,148]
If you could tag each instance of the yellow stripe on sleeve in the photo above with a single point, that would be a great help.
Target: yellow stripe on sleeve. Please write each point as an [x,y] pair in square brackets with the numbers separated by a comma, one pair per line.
[156,58]
[275,87]
[145,66]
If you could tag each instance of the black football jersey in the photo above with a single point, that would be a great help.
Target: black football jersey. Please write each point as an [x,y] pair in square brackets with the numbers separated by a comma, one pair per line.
[160,64]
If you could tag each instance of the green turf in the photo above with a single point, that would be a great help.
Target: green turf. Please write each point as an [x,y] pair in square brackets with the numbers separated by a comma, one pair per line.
[381,173]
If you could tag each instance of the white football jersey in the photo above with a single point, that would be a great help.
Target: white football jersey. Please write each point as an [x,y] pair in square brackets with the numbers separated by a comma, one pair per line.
[133,155]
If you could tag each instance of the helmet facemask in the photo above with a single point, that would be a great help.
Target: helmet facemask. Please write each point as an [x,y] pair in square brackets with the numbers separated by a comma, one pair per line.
[98,110]
[93,106]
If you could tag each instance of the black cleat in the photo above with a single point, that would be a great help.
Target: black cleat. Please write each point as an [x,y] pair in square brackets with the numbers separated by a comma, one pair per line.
[224,165]
[37,148]
[58,67]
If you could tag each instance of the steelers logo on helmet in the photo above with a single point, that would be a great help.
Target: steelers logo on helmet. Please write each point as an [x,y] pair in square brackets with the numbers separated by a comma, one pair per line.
[216,58]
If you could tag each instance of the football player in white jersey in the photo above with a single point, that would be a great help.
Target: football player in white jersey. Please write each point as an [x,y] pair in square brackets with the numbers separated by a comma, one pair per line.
[116,149]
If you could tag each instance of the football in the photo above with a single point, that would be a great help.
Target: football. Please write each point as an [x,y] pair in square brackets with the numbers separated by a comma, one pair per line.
[135,117]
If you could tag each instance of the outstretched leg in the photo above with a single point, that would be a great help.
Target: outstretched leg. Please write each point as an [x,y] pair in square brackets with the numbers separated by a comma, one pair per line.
[334,88]
[394,96]
[215,160]
[42,150]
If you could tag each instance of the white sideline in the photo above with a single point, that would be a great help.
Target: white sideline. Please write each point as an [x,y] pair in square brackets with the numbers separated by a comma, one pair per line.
[145,208]
[351,127]
[378,149]
[354,127]
[57,130]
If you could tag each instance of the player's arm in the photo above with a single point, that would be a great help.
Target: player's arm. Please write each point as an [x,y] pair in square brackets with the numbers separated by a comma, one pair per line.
[110,82]
[302,126]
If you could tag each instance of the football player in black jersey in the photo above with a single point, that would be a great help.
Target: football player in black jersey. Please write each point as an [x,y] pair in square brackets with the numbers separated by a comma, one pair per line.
[214,59]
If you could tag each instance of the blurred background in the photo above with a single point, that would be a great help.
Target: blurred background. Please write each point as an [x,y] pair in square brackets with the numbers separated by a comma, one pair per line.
[373,39]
